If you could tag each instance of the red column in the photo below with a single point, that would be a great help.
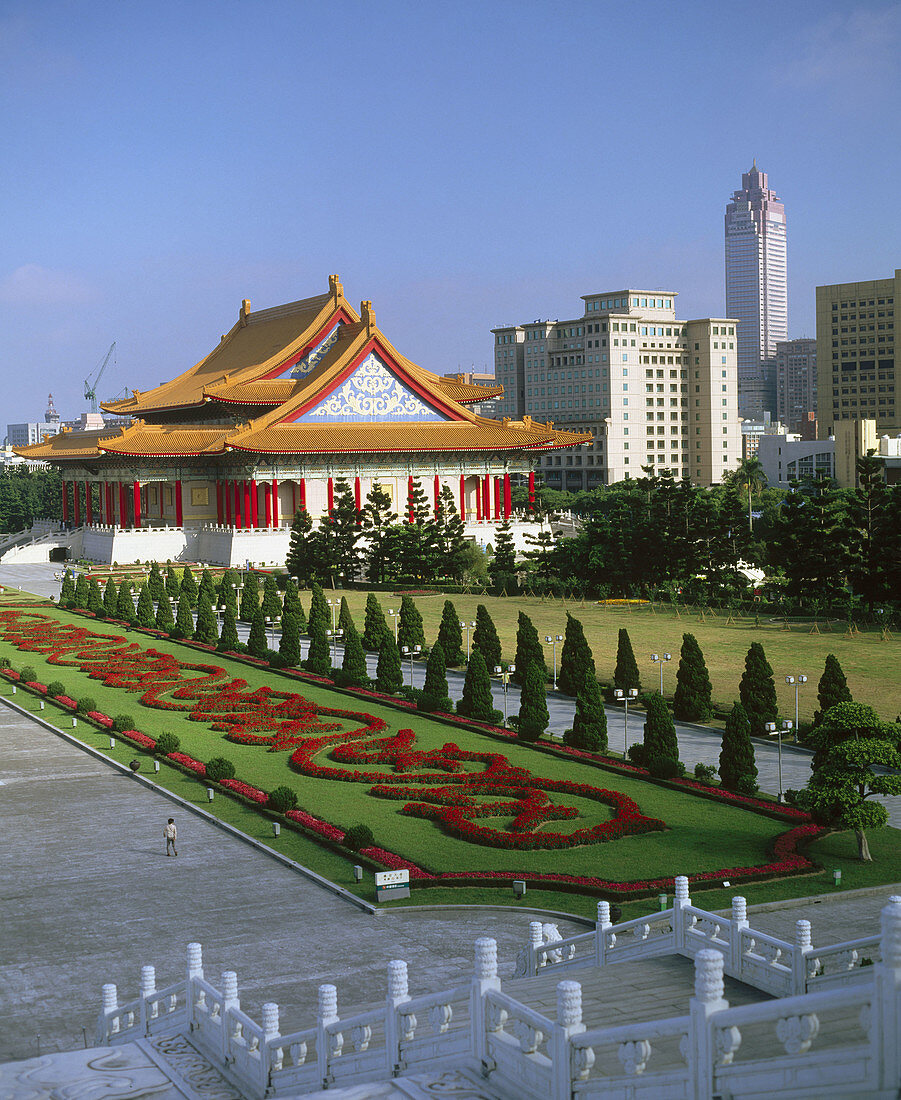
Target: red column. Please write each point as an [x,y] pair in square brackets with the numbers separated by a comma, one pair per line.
[136,494]
[293,497]
[267,503]
[88,503]
[123,505]
[247,514]
[331,495]
[65,502]
[179,513]
[437,492]
[410,516]
[463,497]
[508,502]
[357,499]
[254,503]
[531,490]
[274,502]
[76,504]
[486,497]
[303,493]
[497,498]
[478,500]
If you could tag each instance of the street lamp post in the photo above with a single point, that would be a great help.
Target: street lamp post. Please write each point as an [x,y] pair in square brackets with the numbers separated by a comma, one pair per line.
[505,675]
[771,727]
[796,681]
[623,697]
[334,605]
[657,659]
[334,635]
[393,616]
[411,651]
[270,622]
[552,641]
[467,627]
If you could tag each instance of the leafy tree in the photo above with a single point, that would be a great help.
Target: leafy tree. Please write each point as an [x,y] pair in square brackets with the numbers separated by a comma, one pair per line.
[318,659]
[110,598]
[660,740]
[418,545]
[250,598]
[125,607]
[334,544]
[872,540]
[528,649]
[589,730]
[434,691]
[378,519]
[144,612]
[173,585]
[228,639]
[749,477]
[291,604]
[272,602]
[692,699]
[354,664]
[319,609]
[838,790]
[205,630]
[155,581]
[82,591]
[485,639]
[757,690]
[164,619]
[375,628]
[450,533]
[388,674]
[625,675]
[256,641]
[300,563]
[533,712]
[184,620]
[477,702]
[738,769]
[832,688]
[542,556]
[207,585]
[289,642]
[410,631]
[576,661]
[189,585]
[345,619]
[450,635]
[95,600]
[67,591]
[228,590]
[810,544]
[502,567]
[844,722]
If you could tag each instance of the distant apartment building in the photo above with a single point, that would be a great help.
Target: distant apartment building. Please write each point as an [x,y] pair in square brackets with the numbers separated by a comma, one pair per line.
[653,390]
[857,354]
[796,381]
[757,287]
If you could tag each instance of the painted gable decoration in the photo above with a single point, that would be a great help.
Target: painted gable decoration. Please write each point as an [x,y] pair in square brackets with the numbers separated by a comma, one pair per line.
[371,393]
[311,360]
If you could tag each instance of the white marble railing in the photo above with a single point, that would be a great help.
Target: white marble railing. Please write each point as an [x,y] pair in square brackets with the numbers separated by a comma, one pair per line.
[841,1039]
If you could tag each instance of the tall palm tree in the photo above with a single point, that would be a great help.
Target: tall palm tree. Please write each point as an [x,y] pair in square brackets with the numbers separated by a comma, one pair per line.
[750,477]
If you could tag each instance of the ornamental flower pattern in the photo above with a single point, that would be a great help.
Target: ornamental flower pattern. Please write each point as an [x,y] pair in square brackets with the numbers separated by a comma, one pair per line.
[372,393]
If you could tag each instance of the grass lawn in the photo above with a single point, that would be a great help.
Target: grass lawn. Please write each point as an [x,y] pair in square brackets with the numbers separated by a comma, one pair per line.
[701,835]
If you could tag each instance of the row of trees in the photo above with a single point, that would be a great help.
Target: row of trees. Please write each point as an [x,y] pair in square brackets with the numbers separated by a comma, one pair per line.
[27,495]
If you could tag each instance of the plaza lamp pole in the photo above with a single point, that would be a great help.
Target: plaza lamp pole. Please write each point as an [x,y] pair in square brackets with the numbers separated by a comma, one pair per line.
[270,621]
[334,635]
[771,727]
[392,614]
[505,675]
[411,651]
[661,660]
[552,641]
[467,627]
[334,605]
[796,681]
[624,697]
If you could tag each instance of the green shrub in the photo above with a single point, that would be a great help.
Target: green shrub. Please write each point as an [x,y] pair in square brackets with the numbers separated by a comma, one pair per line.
[220,768]
[281,800]
[28,674]
[705,773]
[166,743]
[357,837]
[56,687]
[86,703]
[5,662]
[638,754]
[123,722]
[746,785]
[664,767]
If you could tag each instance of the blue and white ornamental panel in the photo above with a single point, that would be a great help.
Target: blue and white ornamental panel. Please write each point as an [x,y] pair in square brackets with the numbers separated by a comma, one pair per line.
[372,393]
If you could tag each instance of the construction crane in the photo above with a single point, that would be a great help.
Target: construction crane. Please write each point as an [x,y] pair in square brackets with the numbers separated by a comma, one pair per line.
[90,388]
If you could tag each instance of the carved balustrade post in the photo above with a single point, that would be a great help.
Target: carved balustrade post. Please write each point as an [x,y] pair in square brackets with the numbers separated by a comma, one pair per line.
[106,1028]
[681,898]
[484,979]
[326,1013]
[270,1056]
[229,1002]
[194,970]
[569,1023]
[707,1001]
[536,939]
[802,949]
[148,988]
[600,939]
[887,1010]
[739,923]
[398,994]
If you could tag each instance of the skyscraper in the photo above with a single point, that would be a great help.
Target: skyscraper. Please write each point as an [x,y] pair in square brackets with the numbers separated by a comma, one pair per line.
[756,287]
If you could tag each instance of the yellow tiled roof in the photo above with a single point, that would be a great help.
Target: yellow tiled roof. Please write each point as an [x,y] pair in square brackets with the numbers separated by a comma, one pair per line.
[465,394]
[66,445]
[148,440]
[271,391]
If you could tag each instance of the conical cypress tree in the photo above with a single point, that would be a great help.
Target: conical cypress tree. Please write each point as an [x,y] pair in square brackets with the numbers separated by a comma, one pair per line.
[434,692]
[450,635]
[227,595]
[67,591]
[82,591]
[738,771]
[257,645]
[476,701]
[625,675]
[207,585]
[173,585]
[110,598]
[319,658]
[659,732]
[206,630]
[375,628]
[388,675]
[589,730]
[125,607]
[155,582]
[289,643]
[576,661]
[485,639]
[757,690]
[189,585]
[354,663]
[95,599]
[692,698]
[250,598]
[529,649]
[272,602]
[319,609]
[144,611]
[345,619]
[228,639]
[164,619]
[832,688]
[533,713]
[291,604]
[409,628]
[184,620]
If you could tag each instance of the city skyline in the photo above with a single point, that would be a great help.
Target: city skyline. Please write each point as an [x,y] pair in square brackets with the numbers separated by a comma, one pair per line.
[168,161]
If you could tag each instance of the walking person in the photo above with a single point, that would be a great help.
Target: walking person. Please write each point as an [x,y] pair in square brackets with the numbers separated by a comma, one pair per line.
[171,835]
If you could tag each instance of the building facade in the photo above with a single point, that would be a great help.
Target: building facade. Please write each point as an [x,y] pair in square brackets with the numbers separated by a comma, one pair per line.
[857,357]
[757,286]
[651,389]
[796,381]
[786,458]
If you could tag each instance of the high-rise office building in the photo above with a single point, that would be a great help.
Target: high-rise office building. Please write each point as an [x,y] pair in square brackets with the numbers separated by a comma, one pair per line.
[796,382]
[857,355]
[756,287]
[653,390]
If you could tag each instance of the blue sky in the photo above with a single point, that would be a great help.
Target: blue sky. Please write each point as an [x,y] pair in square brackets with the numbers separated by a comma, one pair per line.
[464,165]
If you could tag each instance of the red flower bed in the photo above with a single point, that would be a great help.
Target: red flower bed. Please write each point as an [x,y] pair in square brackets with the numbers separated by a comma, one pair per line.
[245,789]
[138,738]
[100,718]
[187,762]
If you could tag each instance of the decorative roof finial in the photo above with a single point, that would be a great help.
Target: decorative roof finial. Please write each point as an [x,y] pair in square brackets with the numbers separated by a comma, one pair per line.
[367,315]
[335,288]
[244,312]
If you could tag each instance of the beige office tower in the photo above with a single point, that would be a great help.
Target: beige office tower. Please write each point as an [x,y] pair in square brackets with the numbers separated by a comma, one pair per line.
[857,360]
[653,390]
